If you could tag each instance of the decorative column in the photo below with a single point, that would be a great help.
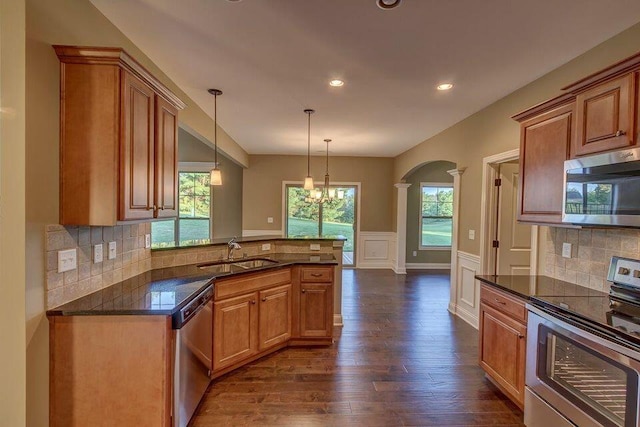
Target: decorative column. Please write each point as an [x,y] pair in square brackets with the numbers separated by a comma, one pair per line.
[453,290]
[401,228]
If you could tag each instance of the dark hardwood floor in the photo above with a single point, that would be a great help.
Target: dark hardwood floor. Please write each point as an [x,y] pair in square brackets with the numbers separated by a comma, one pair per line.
[401,359]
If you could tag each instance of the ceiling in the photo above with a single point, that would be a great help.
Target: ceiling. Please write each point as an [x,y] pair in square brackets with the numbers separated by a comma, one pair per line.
[274,58]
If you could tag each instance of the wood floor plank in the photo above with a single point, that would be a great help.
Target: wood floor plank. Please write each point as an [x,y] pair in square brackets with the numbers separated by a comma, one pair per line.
[400,360]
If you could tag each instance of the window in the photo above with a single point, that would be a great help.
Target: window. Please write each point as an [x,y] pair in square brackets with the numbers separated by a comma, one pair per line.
[436,212]
[193,224]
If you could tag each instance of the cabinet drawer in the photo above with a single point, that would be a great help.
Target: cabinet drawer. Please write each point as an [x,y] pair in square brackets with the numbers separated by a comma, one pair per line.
[244,284]
[316,274]
[506,304]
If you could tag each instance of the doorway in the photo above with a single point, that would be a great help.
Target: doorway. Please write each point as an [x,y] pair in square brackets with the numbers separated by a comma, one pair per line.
[339,217]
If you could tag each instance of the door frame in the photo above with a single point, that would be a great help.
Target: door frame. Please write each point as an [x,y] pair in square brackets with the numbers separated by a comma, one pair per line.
[488,207]
[356,232]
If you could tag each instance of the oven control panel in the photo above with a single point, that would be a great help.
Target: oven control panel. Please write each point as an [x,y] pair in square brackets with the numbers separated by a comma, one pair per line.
[624,271]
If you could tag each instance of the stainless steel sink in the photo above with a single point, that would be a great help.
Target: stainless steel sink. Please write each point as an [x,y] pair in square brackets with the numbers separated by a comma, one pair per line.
[235,266]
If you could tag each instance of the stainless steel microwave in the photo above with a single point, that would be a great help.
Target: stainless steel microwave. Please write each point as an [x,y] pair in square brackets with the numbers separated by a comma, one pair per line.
[603,189]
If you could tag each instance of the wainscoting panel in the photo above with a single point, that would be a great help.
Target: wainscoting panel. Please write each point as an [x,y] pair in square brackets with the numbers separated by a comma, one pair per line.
[376,249]
[467,303]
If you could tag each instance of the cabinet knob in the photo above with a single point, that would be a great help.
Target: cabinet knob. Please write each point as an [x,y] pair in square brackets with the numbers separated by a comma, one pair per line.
[620,133]
[303,291]
[161,208]
[253,301]
[264,299]
[520,336]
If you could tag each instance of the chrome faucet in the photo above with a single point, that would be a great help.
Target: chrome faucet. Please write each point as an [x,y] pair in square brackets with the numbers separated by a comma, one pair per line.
[233,245]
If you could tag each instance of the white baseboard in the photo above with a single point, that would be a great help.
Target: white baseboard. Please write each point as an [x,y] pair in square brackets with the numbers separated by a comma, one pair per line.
[399,270]
[467,316]
[428,265]
[250,233]
[337,320]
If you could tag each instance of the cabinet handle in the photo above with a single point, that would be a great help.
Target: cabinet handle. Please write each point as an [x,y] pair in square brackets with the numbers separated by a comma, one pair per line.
[303,291]
[620,133]
[316,274]
[264,299]
[253,301]
[500,302]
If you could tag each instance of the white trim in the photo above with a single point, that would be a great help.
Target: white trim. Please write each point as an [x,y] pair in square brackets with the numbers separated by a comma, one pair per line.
[432,184]
[400,253]
[195,166]
[376,249]
[466,304]
[453,291]
[250,233]
[468,257]
[428,265]
[337,320]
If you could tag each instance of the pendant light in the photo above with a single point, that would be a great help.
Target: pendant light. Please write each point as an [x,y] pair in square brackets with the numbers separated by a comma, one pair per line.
[308,181]
[326,194]
[216,176]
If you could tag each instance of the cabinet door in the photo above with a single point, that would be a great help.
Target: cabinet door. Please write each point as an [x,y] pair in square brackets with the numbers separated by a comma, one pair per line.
[166,167]
[234,330]
[316,310]
[503,351]
[137,153]
[605,117]
[544,146]
[275,316]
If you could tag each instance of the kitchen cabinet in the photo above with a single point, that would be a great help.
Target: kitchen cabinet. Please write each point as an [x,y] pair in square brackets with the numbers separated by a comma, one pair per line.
[275,316]
[235,330]
[605,116]
[118,139]
[545,139]
[503,341]
[316,302]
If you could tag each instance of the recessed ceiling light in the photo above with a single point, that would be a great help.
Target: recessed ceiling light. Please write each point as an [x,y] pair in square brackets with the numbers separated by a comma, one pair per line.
[444,86]
[336,82]
[388,4]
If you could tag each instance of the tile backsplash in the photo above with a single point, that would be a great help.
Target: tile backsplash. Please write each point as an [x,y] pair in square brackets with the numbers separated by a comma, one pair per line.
[591,253]
[131,259]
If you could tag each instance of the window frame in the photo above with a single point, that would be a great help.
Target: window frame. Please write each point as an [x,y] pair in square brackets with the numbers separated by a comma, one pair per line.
[420,216]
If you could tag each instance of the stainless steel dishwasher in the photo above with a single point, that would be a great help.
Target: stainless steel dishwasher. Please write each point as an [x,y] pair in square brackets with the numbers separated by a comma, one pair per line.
[193,326]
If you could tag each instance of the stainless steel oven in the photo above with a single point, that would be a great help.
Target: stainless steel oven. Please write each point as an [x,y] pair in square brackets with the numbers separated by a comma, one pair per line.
[603,189]
[577,374]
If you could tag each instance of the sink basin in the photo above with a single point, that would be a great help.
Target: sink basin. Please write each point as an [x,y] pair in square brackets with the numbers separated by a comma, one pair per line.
[234,266]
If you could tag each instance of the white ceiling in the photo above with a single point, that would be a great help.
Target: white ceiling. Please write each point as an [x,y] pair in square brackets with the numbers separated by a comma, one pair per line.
[273,58]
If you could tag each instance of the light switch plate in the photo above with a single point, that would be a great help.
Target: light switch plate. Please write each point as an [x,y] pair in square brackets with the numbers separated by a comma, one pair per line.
[270,219]
[112,250]
[67,260]
[266,247]
[415,253]
[315,246]
[566,250]
[472,234]
[97,253]
[147,241]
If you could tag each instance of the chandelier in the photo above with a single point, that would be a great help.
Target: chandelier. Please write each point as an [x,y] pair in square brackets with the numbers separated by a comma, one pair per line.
[326,194]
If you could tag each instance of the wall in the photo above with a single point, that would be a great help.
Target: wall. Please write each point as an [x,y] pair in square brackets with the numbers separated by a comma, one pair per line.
[431,172]
[227,199]
[73,22]
[262,187]
[491,130]
[12,214]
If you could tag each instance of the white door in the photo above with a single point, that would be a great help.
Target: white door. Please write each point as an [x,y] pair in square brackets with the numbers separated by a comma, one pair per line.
[514,247]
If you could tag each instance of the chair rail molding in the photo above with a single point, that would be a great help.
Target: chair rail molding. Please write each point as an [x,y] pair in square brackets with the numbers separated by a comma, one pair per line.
[399,266]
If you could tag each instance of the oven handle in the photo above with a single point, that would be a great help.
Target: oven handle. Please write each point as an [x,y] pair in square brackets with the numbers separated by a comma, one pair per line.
[614,351]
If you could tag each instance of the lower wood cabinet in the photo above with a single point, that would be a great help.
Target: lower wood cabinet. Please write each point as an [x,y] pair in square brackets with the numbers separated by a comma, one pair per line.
[316,310]
[274,326]
[503,342]
[235,330]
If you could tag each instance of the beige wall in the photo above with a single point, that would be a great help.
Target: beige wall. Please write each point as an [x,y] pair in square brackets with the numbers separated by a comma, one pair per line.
[492,131]
[431,172]
[12,213]
[262,187]
[227,199]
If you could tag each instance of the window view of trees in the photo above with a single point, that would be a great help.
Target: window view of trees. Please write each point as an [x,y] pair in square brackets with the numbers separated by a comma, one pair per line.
[337,217]
[598,201]
[437,213]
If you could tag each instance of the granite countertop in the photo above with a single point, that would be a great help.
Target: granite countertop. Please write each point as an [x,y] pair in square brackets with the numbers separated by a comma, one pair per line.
[165,291]
[529,287]
[247,239]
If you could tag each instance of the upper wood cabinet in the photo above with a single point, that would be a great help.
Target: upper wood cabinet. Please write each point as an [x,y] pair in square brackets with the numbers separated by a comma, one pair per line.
[545,138]
[118,139]
[605,117]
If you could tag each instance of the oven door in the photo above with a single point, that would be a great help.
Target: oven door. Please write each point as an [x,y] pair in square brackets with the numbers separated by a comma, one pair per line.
[586,378]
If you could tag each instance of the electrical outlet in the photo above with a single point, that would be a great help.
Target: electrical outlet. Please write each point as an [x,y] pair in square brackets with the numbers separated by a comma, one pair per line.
[97,253]
[566,250]
[314,246]
[266,247]
[472,234]
[67,260]
[270,220]
[415,253]
[112,250]
[147,241]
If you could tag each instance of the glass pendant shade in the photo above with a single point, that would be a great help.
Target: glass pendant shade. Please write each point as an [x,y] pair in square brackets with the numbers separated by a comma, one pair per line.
[332,193]
[216,177]
[340,194]
[308,183]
